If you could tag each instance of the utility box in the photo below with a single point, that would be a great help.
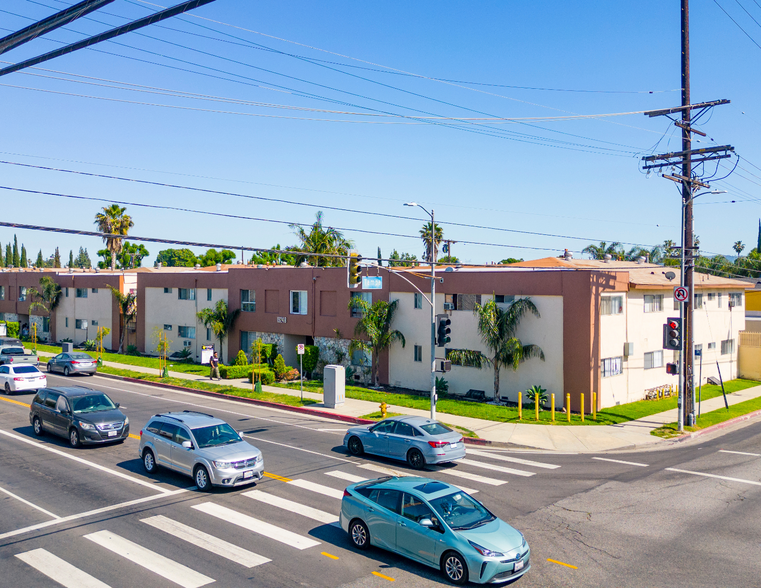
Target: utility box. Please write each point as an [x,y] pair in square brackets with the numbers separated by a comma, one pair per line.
[334,389]
[67,347]
[3,330]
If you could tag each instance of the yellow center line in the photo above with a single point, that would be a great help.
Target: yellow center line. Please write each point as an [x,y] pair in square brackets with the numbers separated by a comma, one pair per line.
[15,402]
[560,563]
[328,555]
[276,477]
[135,436]
[384,577]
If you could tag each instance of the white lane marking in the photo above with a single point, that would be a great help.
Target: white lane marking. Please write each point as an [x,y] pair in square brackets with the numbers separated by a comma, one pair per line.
[631,463]
[346,476]
[85,462]
[740,452]
[319,488]
[715,476]
[208,542]
[255,525]
[496,468]
[473,477]
[500,457]
[389,472]
[150,560]
[12,495]
[270,499]
[294,447]
[91,513]
[59,570]
[332,430]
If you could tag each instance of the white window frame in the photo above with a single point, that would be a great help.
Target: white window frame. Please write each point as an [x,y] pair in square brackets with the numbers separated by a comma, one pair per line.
[418,300]
[736,299]
[698,301]
[248,300]
[655,304]
[612,366]
[417,353]
[654,359]
[302,306]
[22,293]
[610,305]
[80,293]
[190,332]
[728,347]
[190,293]
[712,345]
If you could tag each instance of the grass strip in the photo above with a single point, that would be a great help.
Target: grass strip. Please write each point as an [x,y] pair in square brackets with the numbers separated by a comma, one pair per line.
[708,419]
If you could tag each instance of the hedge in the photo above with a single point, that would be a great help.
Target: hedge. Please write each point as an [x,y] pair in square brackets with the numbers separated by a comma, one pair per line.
[267,377]
[234,372]
[11,328]
[311,355]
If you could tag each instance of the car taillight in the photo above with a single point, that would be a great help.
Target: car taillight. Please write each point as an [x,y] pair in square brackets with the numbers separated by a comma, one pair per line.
[10,360]
[18,379]
[74,362]
[44,377]
[141,432]
[438,444]
[346,492]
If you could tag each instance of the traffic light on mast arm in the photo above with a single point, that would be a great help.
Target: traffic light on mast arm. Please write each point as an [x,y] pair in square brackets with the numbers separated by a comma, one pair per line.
[354,270]
[672,334]
[443,330]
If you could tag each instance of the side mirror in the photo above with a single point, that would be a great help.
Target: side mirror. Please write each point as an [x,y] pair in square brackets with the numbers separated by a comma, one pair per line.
[426,523]
[117,405]
[187,445]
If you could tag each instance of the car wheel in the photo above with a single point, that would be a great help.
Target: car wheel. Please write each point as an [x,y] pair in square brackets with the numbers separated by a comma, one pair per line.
[149,462]
[415,459]
[454,568]
[201,477]
[66,371]
[50,369]
[7,388]
[355,446]
[37,426]
[74,438]
[360,536]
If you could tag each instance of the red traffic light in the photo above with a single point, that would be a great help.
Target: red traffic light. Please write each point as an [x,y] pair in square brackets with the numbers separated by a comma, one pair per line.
[673,325]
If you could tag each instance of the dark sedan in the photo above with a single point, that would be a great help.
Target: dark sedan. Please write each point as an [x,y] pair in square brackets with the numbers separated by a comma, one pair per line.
[73,363]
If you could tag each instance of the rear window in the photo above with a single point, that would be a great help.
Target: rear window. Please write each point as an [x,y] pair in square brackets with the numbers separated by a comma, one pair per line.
[80,356]
[13,351]
[436,429]
[25,369]
[364,491]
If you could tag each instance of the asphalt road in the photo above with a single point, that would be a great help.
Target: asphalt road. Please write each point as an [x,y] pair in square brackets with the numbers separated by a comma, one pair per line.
[686,516]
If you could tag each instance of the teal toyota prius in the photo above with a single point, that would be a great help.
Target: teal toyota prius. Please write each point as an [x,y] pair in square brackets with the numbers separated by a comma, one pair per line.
[436,524]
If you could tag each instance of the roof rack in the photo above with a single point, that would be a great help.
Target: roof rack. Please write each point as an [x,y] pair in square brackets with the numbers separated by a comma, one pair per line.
[201,413]
[166,416]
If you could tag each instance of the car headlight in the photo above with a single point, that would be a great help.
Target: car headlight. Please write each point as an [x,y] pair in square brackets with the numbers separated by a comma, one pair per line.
[259,459]
[222,465]
[86,426]
[483,551]
[126,421]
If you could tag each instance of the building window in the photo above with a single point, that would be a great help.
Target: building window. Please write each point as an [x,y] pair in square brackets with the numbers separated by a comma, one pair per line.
[418,300]
[248,300]
[94,290]
[94,323]
[208,334]
[711,296]
[418,350]
[66,322]
[728,347]
[735,299]
[366,296]
[2,292]
[45,324]
[654,359]
[80,324]
[461,301]
[711,346]
[611,366]
[612,305]
[67,292]
[698,347]
[677,304]
[21,293]
[503,299]
[186,332]
[167,290]
[186,293]
[208,294]
[653,302]
[698,301]
[298,301]
[718,299]
[81,293]
[167,327]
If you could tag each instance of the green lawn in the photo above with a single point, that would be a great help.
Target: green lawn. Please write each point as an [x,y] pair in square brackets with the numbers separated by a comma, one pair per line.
[714,417]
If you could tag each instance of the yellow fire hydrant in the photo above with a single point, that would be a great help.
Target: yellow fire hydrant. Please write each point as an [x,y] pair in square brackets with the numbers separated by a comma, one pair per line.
[383,407]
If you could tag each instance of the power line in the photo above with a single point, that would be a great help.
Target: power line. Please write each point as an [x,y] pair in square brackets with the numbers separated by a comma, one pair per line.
[737,23]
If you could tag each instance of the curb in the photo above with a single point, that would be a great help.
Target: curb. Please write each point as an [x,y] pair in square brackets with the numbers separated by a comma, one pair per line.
[719,426]
[246,400]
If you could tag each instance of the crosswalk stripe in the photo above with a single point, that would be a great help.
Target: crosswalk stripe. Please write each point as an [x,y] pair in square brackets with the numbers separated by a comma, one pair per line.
[205,541]
[389,472]
[473,477]
[318,515]
[59,570]
[250,523]
[158,564]
[496,468]
[319,488]
[346,476]
[501,457]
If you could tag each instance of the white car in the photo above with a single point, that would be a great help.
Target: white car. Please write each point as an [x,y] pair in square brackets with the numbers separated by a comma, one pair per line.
[15,378]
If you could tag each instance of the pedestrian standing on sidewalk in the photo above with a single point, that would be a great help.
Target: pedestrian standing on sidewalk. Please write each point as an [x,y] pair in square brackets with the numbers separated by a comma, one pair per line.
[214,363]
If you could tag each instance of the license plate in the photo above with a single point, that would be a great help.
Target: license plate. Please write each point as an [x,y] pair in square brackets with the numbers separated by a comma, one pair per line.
[518,565]
[248,474]
[86,364]
[113,433]
[453,445]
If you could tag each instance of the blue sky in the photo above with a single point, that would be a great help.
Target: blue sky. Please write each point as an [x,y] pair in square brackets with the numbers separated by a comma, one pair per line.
[581,183]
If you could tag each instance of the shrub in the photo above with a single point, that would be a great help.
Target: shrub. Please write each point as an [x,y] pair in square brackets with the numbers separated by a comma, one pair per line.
[132,350]
[311,357]
[279,367]
[67,340]
[11,328]
[442,386]
[233,372]
[241,358]
[532,392]
[291,374]
[89,345]
[267,376]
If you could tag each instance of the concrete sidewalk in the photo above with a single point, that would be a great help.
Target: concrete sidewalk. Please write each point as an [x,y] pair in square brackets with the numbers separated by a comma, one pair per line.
[566,438]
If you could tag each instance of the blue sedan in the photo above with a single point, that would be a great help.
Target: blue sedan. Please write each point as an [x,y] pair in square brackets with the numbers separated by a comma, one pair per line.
[436,524]
[416,440]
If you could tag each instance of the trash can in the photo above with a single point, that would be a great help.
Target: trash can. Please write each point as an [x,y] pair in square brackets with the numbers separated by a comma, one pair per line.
[334,390]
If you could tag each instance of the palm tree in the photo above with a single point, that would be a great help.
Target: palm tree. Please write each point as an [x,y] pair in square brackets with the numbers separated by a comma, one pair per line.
[113,221]
[375,326]
[320,239]
[48,297]
[425,235]
[653,255]
[127,311]
[603,249]
[498,332]
[738,247]
[219,319]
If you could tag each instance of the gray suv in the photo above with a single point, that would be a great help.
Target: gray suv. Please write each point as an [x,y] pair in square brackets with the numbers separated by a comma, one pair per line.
[201,446]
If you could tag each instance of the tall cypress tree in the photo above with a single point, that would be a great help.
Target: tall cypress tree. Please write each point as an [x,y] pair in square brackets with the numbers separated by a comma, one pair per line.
[71,259]
[2,257]
[8,256]
[16,257]
[56,258]
[24,262]
[758,245]
[40,261]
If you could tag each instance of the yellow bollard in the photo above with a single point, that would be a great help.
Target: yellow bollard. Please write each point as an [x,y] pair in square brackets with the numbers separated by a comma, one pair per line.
[552,407]
[536,406]
[594,406]
[568,406]
[520,406]
[383,407]
[582,407]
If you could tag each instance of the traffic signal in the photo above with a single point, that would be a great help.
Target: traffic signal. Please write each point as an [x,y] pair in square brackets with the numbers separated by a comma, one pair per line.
[443,331]
[672,334]
[446,365]
[671,369]
[355,270]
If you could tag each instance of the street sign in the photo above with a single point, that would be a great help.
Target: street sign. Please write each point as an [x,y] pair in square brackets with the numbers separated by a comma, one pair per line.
[681,293]
[300,348]
[372,282]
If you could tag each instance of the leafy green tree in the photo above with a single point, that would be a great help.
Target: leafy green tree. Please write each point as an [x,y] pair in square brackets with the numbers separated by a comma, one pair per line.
[270,257]
[23,258]
[449,259]
[127,311]
[498,330]
[47,296]
[40,261]
[241,358]
[425,235]
[2,257]
[401,259]
[56,258]
[603,249]
[219,319]
[105,261]
[320,239]
[380,258]
[16,257]
[279,367]
[82,260]
[510,260]
[176,258]
[213,257]
[132,255]
[374,331]
[71,259]
[114,221]
[8,256]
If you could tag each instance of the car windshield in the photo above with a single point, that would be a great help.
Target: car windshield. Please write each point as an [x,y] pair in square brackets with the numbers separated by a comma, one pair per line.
[436,429]
[25,369]
[461,512]
[92,403]
[80,356]
[13,351]
[214,435]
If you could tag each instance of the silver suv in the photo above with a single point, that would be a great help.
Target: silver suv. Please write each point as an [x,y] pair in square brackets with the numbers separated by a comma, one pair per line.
[201,446]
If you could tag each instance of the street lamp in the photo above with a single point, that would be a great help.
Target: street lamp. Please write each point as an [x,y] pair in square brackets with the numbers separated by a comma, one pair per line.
[433,307]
